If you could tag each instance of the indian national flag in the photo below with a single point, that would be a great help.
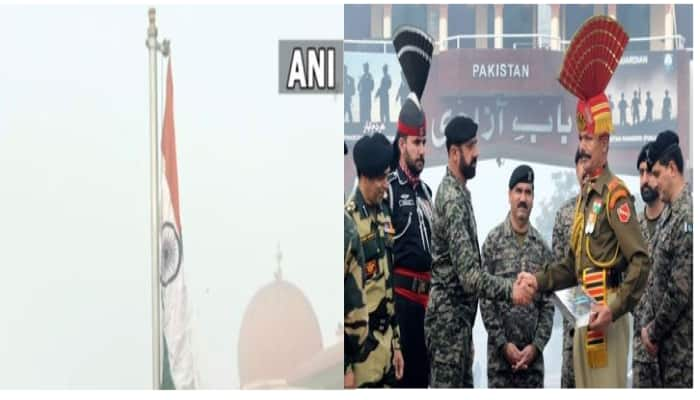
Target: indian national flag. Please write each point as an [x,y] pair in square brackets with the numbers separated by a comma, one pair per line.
[178,364]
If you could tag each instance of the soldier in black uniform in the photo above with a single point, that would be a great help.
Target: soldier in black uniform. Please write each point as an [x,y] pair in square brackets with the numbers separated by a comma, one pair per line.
[409,201]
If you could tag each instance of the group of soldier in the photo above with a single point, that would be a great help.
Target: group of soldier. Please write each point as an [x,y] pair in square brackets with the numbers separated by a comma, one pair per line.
[414,272]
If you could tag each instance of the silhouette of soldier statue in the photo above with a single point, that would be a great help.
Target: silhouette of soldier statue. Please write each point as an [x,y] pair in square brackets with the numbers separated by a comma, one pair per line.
[383,95]
[636,102]
[666,108]
[622,106]
[349,92]
[650,108]
[364,89]
[403,91]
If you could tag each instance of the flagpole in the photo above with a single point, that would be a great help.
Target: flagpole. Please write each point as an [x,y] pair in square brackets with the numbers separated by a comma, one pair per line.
[152,45]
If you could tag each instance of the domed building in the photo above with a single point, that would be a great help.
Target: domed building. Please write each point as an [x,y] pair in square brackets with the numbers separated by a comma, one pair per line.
[280,344]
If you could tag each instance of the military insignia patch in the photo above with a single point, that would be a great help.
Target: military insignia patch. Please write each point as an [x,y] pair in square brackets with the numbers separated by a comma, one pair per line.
[580,122]
[623,213]
[370,268]
[597,206]
[590,223]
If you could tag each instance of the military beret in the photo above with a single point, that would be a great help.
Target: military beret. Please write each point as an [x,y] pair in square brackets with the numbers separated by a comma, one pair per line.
[372,155]
[665,142]
[523,173]
[459,130]
[644,155]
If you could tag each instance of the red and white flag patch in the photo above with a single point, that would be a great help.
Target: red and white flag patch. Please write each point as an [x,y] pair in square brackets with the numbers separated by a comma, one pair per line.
[623,212]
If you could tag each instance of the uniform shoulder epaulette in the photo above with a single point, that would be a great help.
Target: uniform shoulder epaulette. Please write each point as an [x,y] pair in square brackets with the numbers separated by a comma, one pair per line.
[616,190]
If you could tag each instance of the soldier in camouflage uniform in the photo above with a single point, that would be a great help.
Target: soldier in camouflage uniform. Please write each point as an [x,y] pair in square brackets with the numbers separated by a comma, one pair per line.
[561,233]
[645,366]
[457,280]
[517,335]
[669,334]
[380,361]
[355,323]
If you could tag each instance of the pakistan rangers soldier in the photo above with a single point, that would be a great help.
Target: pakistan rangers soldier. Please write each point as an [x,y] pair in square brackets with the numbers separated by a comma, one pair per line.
[561,233]
[457,279]
[410,201]
[380,361]
[645,366]
[517,335]
[608,255]
[669,334]
[355,323]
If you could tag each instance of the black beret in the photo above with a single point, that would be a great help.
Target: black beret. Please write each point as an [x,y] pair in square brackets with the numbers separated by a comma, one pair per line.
[666,141]
[644,155]
[523,173]
[372,155]
[460,129]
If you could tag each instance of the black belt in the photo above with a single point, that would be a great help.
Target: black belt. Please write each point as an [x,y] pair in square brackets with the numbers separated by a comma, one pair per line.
[416,285]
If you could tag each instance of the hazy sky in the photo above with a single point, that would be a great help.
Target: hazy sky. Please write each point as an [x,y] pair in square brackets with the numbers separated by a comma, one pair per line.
[255,168]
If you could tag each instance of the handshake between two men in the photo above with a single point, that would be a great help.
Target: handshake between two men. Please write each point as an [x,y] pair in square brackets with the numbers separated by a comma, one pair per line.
[525,288]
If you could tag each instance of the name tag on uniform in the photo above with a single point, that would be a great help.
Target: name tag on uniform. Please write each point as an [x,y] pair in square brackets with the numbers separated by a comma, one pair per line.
[407,203]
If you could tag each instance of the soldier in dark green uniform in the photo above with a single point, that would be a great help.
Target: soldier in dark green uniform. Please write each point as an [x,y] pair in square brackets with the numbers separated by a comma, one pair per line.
[517,335]
[669,334]
[380,362]
[645,366]
[561,233]
[355,324]
[457,280]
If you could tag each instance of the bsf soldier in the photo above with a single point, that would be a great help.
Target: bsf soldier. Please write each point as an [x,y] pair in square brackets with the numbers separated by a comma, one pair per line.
[380,362]
[561,233]
[410,203]
[669,334]
[355,323]
[645,366]
[517,335]
[457,280]
[608,255]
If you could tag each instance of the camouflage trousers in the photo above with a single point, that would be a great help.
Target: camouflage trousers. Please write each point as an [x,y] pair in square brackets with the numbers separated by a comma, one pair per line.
[568,380]
[528,379]
[646,375]
[451,355]
[675,373]
[375,366]
[645,367]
